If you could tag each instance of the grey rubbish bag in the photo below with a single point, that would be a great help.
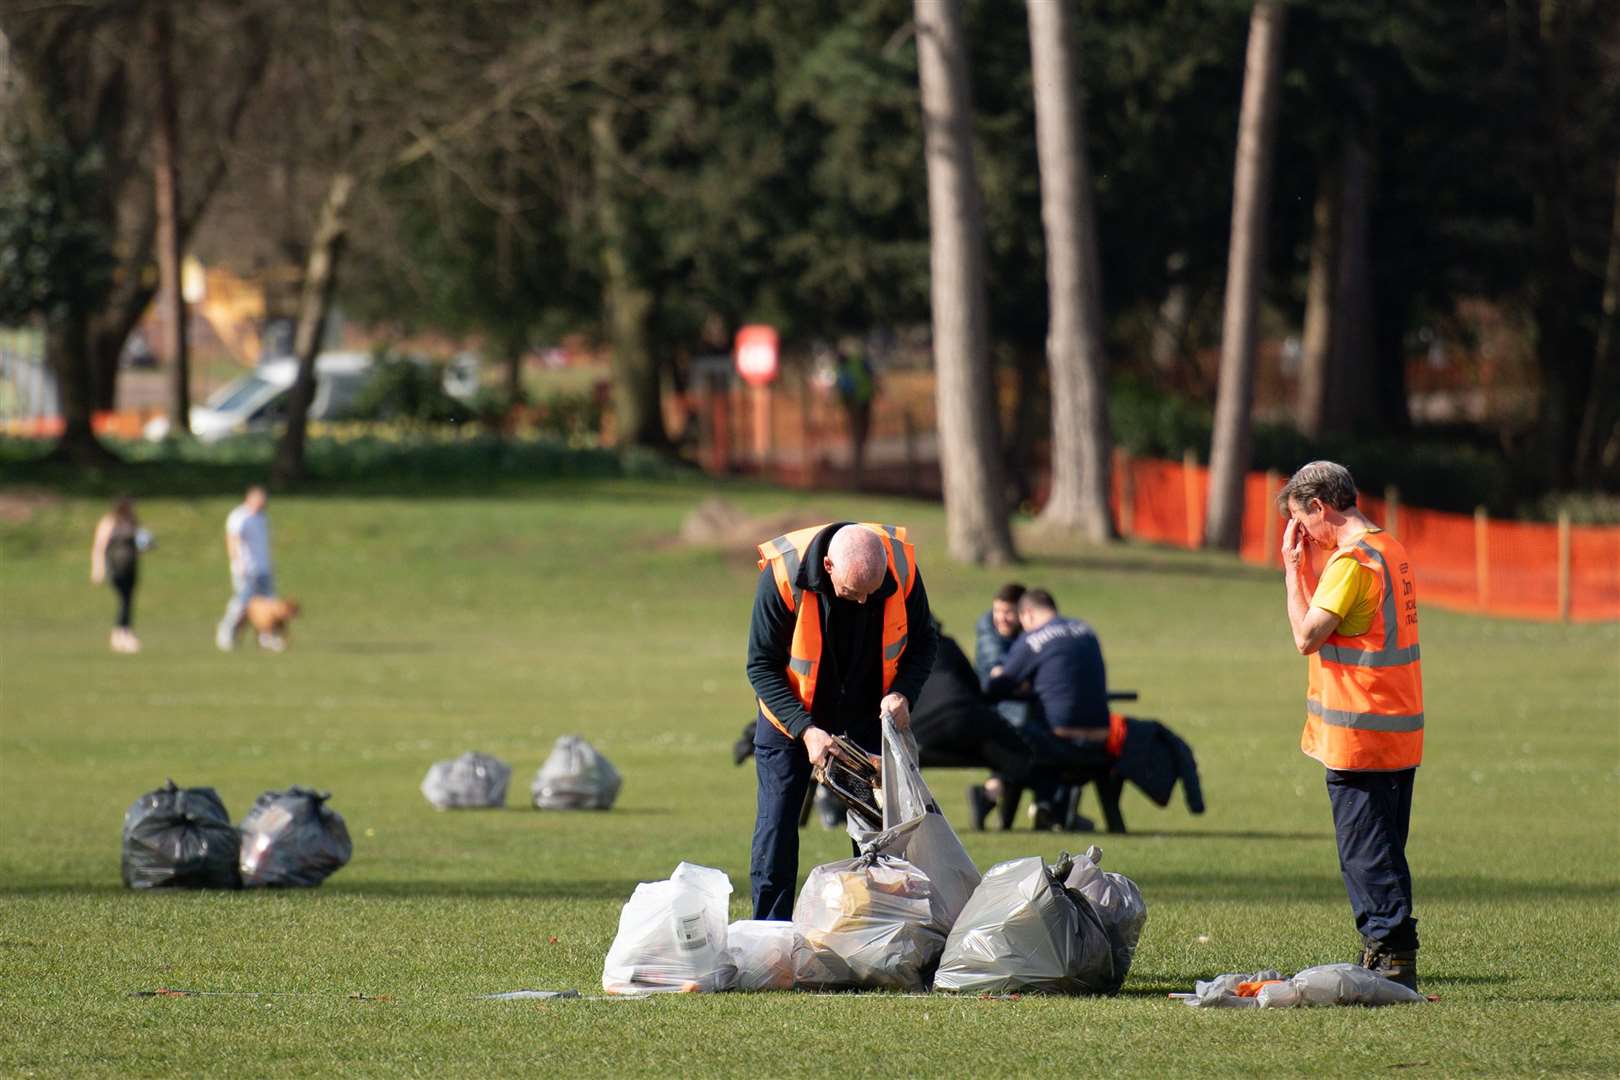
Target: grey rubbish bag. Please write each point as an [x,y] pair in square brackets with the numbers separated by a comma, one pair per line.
[293,838]
[1024,932]
[180,838]
[1117,901]
[575,777]
[916,831]
[471,780]
[868,923]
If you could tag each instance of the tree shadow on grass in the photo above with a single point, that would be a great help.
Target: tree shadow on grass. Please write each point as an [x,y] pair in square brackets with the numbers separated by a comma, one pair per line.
[537,889]
[1263,888]
[1212,834]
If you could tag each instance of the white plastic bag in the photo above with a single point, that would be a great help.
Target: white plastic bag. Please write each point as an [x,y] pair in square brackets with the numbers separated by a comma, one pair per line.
[867,923]
[761,951]
[1337,984]
[575,777]
[471,780]
[672,936]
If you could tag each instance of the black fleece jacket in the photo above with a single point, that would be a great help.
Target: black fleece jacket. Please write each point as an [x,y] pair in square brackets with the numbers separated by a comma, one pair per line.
[850,685]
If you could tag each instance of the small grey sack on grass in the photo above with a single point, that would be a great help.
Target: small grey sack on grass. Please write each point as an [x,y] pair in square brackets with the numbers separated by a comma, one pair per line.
[180,838]
[472,780]
[1117,901]
[293,838]
[575,777]
[1024,932]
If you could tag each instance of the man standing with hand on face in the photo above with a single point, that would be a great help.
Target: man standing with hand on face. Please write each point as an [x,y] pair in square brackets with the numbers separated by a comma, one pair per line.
[1358,626]
[840,635]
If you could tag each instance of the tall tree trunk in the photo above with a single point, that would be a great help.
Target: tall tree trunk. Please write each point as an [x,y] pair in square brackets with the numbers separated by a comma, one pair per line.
[1354,386]
[637,416]
[67,351]
[1315,412]
[1251,198]
[1598,418]
[166,188]
[1074,343]
[1555,277]
[314,304]
[969,441]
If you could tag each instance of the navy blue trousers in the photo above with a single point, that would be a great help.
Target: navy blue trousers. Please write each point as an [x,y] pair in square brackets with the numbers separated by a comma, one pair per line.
[1371,813]
[773,870]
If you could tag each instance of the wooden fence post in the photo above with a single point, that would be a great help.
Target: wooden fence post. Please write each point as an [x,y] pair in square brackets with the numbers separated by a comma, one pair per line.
[1272,552]
[1392,509]
[1563,566]
[1482,557]
[1127,491]
[1189,481]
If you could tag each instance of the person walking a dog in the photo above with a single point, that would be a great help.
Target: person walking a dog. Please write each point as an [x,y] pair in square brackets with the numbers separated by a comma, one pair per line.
[840,634]
[247,547]
[1358,628]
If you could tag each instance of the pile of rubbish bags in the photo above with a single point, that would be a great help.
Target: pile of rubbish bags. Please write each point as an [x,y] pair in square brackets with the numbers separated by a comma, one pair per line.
[1328,984]
[910,912]
[183,838]
[574,777]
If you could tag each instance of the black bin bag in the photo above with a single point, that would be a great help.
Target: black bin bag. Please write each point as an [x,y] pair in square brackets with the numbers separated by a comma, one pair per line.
[180,838]
[293,838]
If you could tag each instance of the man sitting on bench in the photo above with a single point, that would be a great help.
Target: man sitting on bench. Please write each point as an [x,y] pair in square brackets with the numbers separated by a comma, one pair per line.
[1060,662]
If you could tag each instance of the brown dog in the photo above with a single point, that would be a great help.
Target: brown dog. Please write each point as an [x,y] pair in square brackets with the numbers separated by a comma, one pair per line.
[269,616]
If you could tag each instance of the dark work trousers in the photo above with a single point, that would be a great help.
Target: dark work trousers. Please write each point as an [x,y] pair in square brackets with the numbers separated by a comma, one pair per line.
[784,777]
[1371,812]
[124,585]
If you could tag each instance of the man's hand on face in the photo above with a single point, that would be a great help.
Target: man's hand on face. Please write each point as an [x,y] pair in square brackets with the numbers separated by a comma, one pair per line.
[816,742]
[1293,545]
[898,707]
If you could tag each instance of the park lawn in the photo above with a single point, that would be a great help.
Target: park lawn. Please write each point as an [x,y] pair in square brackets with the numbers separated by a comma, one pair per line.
[438,625]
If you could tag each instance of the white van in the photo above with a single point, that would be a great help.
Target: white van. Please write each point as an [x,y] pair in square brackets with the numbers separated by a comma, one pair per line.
[258,401]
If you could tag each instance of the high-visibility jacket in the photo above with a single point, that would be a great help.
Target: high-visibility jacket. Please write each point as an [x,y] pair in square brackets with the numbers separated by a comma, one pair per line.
[784,555]
[1364,698]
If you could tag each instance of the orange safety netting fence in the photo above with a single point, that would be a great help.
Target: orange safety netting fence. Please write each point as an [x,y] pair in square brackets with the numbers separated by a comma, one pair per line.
[1464,562]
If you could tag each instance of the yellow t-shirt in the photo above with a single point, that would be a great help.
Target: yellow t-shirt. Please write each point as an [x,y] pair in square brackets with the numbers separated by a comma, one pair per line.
[1346,590]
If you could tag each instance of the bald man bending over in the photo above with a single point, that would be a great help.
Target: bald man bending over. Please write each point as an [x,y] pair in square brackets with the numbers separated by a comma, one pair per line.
[840,634]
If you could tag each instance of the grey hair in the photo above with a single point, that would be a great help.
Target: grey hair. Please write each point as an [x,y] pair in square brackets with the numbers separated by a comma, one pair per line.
[858,550]
[1325,480]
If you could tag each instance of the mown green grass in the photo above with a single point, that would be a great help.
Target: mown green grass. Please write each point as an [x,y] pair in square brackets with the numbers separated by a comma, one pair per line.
[439,625]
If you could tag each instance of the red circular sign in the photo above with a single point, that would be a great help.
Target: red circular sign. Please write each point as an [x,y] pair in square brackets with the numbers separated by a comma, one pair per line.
[756,354]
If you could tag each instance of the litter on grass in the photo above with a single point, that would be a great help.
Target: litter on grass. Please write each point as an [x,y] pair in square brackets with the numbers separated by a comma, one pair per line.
[470,781]
[672,936]
[575,777]
[293,838]
[1326,984]
[180,838]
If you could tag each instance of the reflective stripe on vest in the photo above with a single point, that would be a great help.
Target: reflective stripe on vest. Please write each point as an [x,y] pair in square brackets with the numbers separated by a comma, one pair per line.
[785,556]
[1364,707]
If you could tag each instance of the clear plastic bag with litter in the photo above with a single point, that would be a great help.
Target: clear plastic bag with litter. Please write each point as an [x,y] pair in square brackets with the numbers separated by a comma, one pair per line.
[1326,984]
[575,777]
[868,923]
[180,838]
[470,781]
[762,954]
[672,936]
[293,838]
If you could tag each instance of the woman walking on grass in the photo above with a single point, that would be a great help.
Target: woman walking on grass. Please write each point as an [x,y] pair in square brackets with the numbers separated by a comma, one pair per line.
[113,558]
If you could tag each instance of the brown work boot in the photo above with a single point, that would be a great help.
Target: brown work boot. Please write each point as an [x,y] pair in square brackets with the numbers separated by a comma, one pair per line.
[1396,965]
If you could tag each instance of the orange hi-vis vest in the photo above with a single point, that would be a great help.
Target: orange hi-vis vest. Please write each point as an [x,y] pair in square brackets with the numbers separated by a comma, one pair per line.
[1364,699]
[784,555]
